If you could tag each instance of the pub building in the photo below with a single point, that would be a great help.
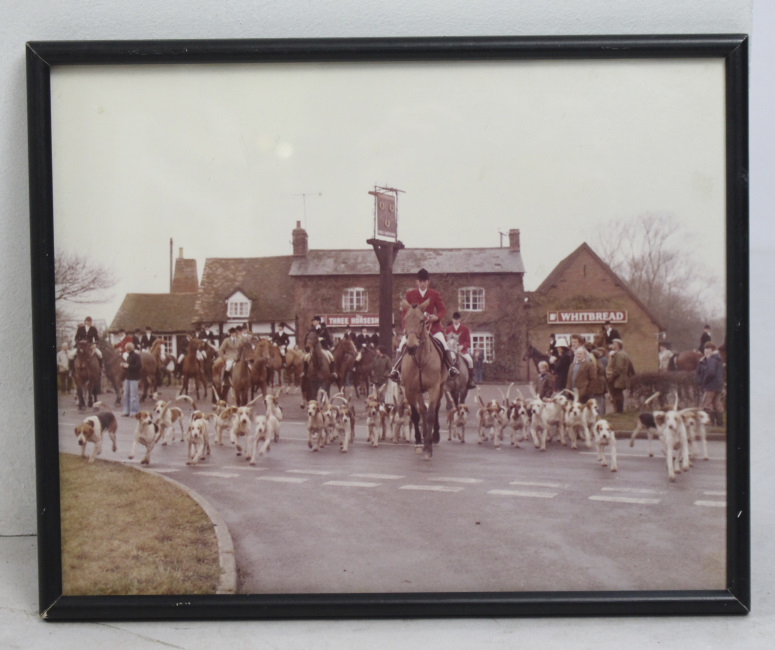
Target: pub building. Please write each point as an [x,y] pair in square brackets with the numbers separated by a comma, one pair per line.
[579,296]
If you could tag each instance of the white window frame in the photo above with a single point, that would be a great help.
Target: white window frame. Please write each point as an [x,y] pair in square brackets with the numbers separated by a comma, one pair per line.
[355,299]
[470,299]
[486,342]
[238,306]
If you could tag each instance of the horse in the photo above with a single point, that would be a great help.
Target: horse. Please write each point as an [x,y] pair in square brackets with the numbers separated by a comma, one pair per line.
[687,360]
[191,367]
[456,387]
[344,358]
[240,374]
[318,374]
[422,372]
[86,373]
[111,365]
[533,354]
[273,360]
[150,361]
[362,369]
[294,365]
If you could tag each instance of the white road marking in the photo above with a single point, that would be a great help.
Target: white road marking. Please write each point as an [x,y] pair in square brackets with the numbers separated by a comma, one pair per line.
[217,474]
[632,490]
[595,497]
[431,488]
[252,468]
[456,480]
[715,493]
[524,493]
[379,477]
[165,471]
[711,504]
[556,486]
[282,479]
[351,484]
[314,472]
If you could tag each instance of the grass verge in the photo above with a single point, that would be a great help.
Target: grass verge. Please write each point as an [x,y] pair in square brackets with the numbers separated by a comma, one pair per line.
[127,532]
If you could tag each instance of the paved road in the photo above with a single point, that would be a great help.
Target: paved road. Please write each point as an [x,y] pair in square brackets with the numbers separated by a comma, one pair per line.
[472,519]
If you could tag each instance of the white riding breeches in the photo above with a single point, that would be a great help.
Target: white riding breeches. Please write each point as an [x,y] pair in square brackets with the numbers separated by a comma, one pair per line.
[439,336]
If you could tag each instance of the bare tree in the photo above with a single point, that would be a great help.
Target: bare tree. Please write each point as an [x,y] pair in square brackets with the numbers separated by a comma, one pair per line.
[80,281]
[652,254]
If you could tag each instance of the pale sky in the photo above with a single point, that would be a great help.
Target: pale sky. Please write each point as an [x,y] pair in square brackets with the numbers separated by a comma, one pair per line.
[216,158]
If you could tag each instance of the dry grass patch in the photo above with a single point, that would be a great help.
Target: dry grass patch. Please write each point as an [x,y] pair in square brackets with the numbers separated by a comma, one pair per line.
[127,532]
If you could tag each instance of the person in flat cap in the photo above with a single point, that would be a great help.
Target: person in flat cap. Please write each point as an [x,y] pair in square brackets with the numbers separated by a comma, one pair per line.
[435,312]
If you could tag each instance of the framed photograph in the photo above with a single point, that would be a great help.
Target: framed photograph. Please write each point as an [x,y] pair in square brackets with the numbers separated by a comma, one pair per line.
[242,252]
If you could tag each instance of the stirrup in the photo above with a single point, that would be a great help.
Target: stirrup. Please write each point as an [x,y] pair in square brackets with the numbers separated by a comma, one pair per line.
[395,376]
[453,372]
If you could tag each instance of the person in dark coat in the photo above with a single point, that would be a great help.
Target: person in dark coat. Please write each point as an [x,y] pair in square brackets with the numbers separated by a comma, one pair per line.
[611,333]
[710,377]
[324,335]
[132,369]
[562,363]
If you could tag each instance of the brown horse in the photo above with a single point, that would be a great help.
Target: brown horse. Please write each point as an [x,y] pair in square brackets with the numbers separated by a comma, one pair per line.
[422,372]
[192,368]
[294,365]
[258,375]
[86,373]
[240,374]
[364,362]
[111,366]
[344,358]
[149,376]
[317,376]
[273,360]
[687,360]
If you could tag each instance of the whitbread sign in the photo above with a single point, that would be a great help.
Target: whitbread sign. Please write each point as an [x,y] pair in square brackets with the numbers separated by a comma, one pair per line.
[585,317]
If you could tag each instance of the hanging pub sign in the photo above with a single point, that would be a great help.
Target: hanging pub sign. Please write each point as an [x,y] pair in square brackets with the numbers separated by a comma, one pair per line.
[586,317]
[385,214]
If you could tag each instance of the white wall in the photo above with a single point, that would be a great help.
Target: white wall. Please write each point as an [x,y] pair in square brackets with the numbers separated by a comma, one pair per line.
[151,19]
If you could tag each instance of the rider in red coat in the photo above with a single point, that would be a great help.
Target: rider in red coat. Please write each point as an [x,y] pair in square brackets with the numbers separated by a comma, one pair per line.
[435,311]
[464,344]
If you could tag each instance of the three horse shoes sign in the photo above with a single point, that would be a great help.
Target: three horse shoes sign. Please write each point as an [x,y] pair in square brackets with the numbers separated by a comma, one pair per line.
[386,246]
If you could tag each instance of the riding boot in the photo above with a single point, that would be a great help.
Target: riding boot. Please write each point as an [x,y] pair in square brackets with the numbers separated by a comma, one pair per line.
[450,359]
[395,375]
[471,382]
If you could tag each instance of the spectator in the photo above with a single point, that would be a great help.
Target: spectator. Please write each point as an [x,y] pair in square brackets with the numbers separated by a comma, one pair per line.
[132,366]
[478,358]
[582,374]
[380,368]
[545,381]
[618,374]
[598,386]
[710,377]
[561,363]
[123,339]
[63,369]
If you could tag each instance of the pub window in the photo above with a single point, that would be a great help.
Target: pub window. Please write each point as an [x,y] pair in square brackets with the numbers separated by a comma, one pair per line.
[470,299]
[238,308]
[485,342]
[355,299]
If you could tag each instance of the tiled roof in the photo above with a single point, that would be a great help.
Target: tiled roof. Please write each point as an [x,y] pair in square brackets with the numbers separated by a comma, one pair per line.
[554,277]
[409,261]
[264,280]
[163,312]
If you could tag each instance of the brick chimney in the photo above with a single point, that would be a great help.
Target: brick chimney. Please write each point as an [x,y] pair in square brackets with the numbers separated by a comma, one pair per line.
[300,246]
[514,240]
[185,279]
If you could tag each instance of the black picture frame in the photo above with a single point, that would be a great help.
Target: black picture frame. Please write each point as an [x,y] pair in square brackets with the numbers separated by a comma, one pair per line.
[43,56]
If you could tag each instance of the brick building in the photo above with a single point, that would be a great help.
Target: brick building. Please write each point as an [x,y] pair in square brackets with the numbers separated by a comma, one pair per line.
[484,284]
[579,295]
